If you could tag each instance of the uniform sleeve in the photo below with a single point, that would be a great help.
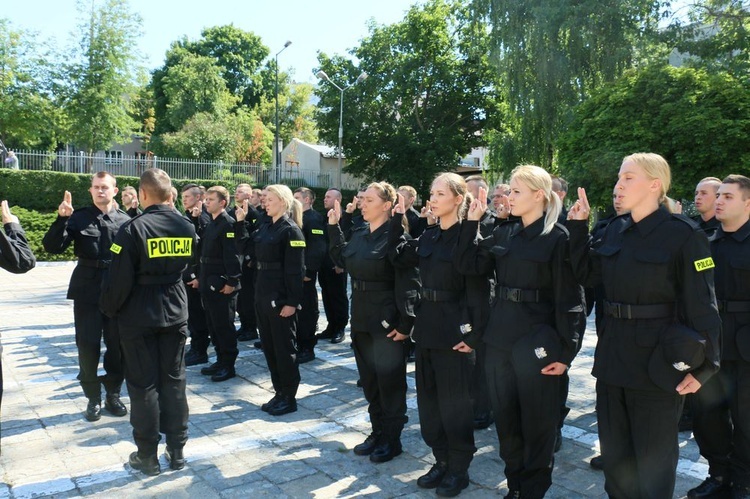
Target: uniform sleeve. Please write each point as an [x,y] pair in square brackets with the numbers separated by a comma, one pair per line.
[243,237]
[697,300]
[346,223]
[337,243]
[294,266]
[120,277]
[59,236]
[473,255]
[402,250]
[569,302]
[586,266]
[406,288]
[230,255]
[15,254]
[315,251]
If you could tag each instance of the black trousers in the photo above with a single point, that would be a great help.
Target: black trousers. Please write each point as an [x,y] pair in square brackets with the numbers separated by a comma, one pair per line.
[246,298]
[526,410]
[480,396]
[721,422]
[278,335]
[381,363]
[220,311]
[638,437]
[200,338]
[91,326]
[308,316]
[335,301]
[446,417]
[155,373]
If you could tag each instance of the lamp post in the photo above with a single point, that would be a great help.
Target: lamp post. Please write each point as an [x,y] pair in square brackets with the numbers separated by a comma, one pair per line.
[323,76]
[277,149]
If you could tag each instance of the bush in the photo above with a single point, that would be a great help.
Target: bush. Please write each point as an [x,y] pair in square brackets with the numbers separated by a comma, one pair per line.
[36,224]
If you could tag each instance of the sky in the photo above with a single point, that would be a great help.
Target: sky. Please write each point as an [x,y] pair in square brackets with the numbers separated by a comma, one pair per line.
[330,26]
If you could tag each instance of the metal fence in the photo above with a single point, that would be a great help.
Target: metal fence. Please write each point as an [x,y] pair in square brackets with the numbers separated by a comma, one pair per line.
[79,162]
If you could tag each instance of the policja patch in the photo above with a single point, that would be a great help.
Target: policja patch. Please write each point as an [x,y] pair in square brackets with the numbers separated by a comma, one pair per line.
[159,247]
[705,264]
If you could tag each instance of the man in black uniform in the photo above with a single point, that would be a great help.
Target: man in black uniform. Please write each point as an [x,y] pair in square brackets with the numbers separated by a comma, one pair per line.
[705,200]
[143,292]
[721,409]
[246,297]
[197,325]
[129,198]
[219,281]
[333,286]
[316,249]
[92,230]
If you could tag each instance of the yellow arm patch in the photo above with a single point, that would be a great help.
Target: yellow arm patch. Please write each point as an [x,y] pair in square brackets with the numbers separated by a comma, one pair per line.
[705,264]
[318,232]
[115,248]
[297,244]
[230,235]
[159,247]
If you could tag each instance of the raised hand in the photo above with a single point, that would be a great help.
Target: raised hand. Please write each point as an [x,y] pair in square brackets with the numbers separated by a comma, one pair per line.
[197,209]
[134,203]
[478,207]
[8,217]
[581,209]
[66,207]
[240,212]
[400,205]
[350,207]
[334,214]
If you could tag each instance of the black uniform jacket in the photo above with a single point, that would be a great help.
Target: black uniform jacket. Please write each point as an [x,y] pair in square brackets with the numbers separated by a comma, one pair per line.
[731,254]
[92,233]
[314,230]
[663,259]
[445,322]
[279,250]
[15,254]
[149,255]
[390,304]
[709,227]
[417,224]
[219,256]
[349,222]
[525,259]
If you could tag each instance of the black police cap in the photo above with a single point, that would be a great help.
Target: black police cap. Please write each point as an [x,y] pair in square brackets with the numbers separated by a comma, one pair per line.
[680,350]
[535,350]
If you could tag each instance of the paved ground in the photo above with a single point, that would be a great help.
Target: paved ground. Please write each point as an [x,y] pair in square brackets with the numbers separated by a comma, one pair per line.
[235,449]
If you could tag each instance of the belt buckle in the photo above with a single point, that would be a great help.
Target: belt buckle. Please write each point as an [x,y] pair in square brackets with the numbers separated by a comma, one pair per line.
[513,294]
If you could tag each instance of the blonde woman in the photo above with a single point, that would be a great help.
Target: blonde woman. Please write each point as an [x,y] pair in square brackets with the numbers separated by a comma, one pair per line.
[279,248]
[531,337]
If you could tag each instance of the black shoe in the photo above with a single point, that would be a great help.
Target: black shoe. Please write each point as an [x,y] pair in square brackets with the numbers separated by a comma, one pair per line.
[483,421]
[247,335]
[114,405]
[434,477]
[452,484]
[338,337]
[597,463]
[93,410]
[147,465]
[359,383]
[175,458]
[223,374]
[258,345]
[513,494]
[366,447]
[193,358]
[305,356]
[739,492]
[265,407]
[385,451]
[211,370]
[558,441]
[712,487]
[326,334]
[285,405]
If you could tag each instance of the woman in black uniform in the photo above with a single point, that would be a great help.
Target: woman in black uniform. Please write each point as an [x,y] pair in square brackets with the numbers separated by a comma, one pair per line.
[532,335]
[279,250]
[443,334]
[656,271]
[382,317]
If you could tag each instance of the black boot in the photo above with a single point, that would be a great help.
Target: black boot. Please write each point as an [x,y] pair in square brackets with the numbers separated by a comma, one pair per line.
[368,446]
[175,457]
[93,410]
[148,465]
[265,407]
[453,484]
[434,477]
[385,451]
[285,405]
[712,487]
[114,405]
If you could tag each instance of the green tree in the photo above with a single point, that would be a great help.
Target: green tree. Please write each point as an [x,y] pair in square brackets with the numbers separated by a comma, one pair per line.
[428,96]
[102,77]
[551,54]
[296,111]
[697,120]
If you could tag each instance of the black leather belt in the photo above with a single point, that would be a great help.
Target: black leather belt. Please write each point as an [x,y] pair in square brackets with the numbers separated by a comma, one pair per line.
[268,265]
[97,264]
[439,295]
[358,285]
[212,261]
[733,307]
[626,311]
[147,280]
[518,295]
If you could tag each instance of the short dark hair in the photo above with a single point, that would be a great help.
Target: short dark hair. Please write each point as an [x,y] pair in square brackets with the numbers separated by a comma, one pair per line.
[221,192]
[741,181]
[189,186]
[559,184]
[105,174]
[307,193]
[156,182]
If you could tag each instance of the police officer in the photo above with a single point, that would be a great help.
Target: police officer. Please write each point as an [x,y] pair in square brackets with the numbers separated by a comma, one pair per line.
[417,223]
[383,300]
[655,268]
[92,230]
[444,335]
[721,409]
[246,297]
[705,199]
[333,286]
[532,332]
[129,198]
[313,228]
[219,282]
[279,248]
[144,293]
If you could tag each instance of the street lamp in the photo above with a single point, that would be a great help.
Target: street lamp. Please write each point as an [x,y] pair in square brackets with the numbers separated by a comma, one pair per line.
[277,149]
[323,76]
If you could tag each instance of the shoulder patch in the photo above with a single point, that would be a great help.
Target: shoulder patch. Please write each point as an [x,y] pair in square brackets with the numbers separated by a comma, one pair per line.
[297,244]
[161,247]
[230,235]
[704,264]
[318,232]
[115,248]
